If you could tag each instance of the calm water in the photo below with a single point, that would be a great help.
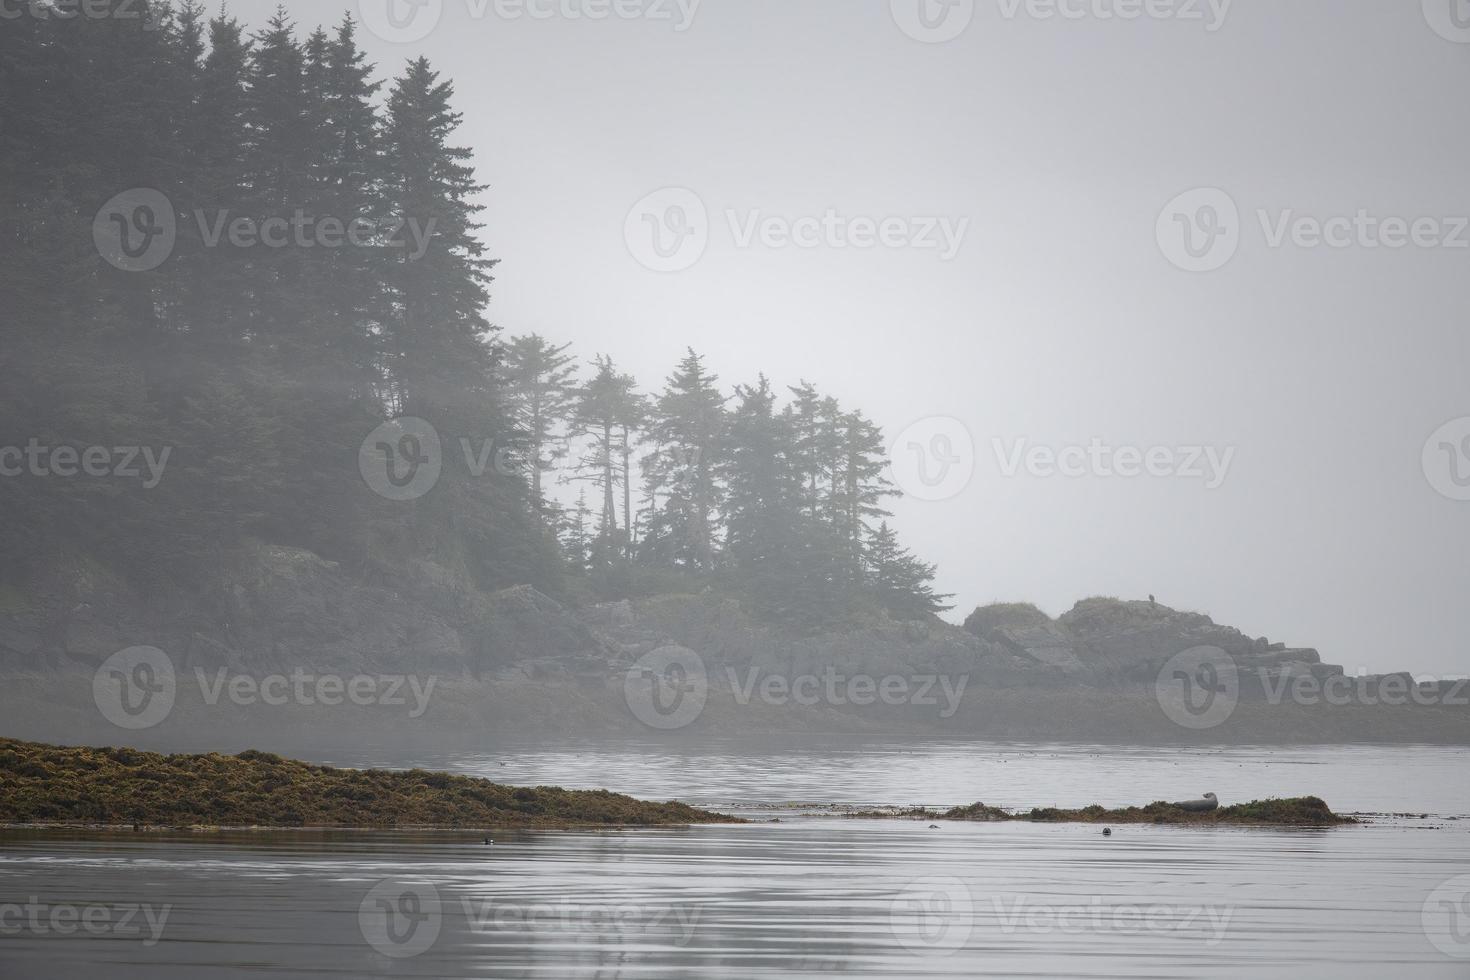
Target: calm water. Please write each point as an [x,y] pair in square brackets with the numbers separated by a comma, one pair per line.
[812,894]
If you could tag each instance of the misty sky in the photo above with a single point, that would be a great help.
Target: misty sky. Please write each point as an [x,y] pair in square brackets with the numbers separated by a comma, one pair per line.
[1061,319]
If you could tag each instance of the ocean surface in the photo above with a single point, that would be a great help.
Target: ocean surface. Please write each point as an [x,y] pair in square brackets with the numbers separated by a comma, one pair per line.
[803,891]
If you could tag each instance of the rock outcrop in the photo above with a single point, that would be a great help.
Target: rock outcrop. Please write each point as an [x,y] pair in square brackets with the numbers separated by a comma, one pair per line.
[520,661]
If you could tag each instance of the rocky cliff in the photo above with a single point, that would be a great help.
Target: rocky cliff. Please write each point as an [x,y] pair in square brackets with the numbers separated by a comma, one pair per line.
[520,661]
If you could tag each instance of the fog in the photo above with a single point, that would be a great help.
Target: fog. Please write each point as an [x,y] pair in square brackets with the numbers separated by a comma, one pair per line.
[1060,320]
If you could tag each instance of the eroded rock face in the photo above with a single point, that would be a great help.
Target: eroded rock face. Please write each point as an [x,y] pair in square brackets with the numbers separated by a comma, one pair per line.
[1110,641]
[522,624]
[279,609]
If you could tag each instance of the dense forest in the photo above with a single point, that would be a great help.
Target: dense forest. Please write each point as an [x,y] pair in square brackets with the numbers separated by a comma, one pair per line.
[322,275]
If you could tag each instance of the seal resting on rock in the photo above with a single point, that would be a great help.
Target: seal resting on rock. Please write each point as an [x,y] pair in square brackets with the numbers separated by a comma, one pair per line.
[1200,806]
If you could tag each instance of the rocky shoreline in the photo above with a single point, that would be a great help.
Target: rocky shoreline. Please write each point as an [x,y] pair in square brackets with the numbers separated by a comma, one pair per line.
[49,785]
[1305,811]
[465,664]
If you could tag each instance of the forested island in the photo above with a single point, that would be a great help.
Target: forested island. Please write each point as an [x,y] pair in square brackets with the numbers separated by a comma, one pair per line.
[261,368]
[255,417]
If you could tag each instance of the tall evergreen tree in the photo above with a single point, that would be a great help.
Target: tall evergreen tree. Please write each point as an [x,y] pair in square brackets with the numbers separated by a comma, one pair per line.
[861,486]
[687,430]
[606,410]
[900,582]
[438,273]
[539,380]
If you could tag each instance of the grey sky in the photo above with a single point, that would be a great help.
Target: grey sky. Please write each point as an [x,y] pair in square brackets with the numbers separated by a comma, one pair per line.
[1061,319]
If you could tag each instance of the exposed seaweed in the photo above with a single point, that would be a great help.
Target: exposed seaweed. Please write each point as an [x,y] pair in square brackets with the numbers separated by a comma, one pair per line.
[51,784]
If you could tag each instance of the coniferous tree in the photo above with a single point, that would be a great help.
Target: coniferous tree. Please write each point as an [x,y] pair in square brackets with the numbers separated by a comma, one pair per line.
[539,382]
[606,410]
[900,582]
[687,430]
[263,368]
[861,486]
[437,272]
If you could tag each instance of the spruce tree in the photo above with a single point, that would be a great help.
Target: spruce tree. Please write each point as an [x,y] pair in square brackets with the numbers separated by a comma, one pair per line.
[539,378]
[687,429]
[607,409]
[900,582]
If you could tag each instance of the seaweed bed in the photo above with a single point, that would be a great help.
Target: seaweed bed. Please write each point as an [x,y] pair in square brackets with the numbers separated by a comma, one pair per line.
[1302,811]
[46,784]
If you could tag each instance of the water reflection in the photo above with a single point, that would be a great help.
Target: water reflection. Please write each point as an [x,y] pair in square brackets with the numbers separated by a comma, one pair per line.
[808,895]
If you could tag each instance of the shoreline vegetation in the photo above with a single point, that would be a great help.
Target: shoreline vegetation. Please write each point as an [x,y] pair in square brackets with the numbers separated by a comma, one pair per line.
[56,786]
[1302,811]
[52,785]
